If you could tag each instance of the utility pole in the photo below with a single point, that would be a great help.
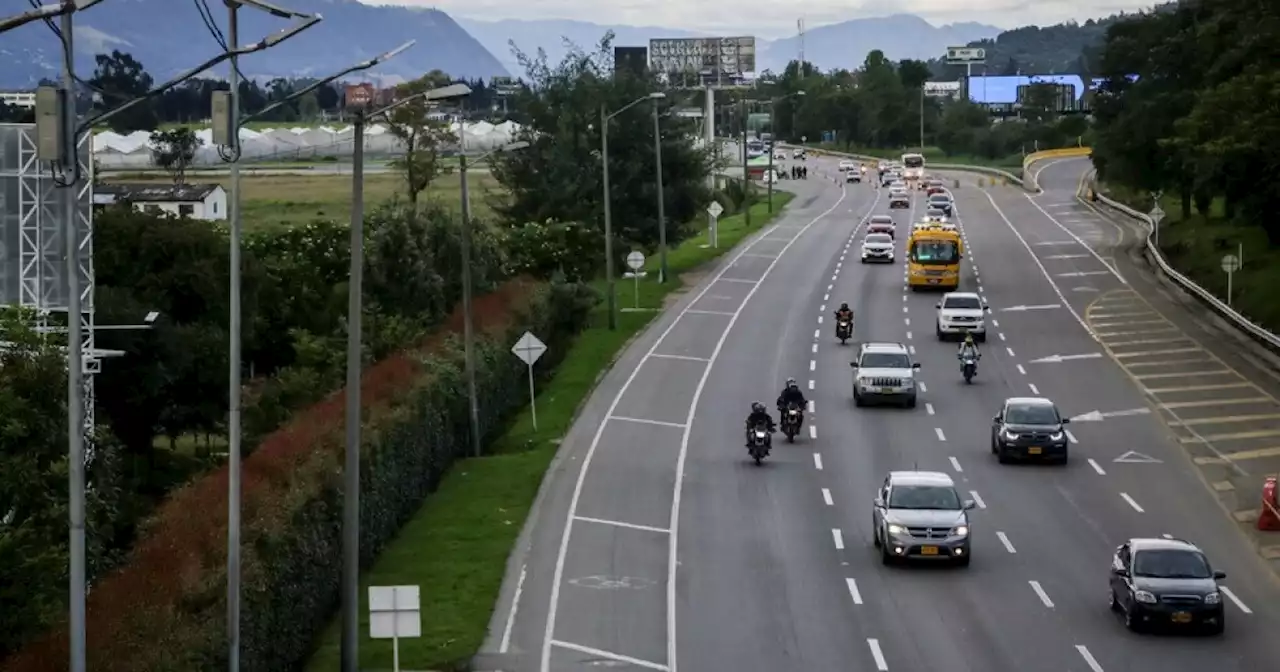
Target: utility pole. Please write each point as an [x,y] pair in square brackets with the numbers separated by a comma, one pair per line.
[746,170]
[662,216]
[234,355]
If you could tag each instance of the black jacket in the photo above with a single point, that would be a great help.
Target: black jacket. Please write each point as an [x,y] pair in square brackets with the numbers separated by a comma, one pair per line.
[846,314]
[791,395]
[760,418]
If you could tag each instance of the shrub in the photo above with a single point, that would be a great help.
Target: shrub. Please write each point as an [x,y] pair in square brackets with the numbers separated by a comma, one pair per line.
[165,609]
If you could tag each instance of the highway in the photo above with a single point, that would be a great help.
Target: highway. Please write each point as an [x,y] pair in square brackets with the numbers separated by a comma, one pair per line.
[655,543]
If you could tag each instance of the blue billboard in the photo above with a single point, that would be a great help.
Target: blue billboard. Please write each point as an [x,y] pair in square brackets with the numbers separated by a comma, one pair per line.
[1004,90]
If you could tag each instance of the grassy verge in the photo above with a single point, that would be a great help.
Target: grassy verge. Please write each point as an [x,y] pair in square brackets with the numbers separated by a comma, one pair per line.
[1012,164]
[1195,246]
[457,545]
[287,200]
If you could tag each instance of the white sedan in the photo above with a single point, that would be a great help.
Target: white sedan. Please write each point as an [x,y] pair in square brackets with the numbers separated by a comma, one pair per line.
[846,164]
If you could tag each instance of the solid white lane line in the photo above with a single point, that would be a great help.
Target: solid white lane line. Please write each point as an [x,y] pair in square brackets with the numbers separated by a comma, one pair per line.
[826,497]
[838,538]
[1034,390]
[1131,502]
[1097,467]
[1004,539]
[928,408]
[977,499]
[817,461]
[877,655]
[1232,596]
[955,464]
[1022,370]
[1044,597]
[813,431]
[941,436]
[511,616]
[607,655]
[853,591]
[1088,658]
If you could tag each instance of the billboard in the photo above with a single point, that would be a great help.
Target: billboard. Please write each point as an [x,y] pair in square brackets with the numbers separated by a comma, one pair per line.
[634,60]
[966,55]
[942,89]
[504,86]
[703,60]
[1064,95]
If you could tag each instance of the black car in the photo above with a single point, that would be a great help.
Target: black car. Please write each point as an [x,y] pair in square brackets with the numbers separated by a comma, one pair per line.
[1029,428]
[941,202]
[1166,582]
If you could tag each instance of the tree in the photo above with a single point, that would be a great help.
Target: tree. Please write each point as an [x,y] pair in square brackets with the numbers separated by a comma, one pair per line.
[422,135]
[174,150]
[119,78]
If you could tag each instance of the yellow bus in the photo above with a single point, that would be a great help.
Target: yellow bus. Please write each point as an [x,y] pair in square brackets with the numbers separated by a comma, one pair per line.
[933,257]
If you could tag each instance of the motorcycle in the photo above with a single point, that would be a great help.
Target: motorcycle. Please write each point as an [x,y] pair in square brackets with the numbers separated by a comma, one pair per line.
[760,443]
[844,331]
[969,367]
[791,421]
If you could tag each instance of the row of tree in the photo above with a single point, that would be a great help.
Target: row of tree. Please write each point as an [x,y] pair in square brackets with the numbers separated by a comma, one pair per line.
[1200,119]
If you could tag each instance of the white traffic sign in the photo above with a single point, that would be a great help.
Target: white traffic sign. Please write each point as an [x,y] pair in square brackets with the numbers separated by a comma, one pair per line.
[715,209]
[1023,309]
[395,613]
[972,55]
[1133,457]
[1230,263]
[1098,416]
[1055,359]
[635,260]
[1156,214]
[713,229]
[529,349]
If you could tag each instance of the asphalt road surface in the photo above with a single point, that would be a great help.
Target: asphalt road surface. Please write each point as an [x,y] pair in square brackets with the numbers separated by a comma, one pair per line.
[656,544]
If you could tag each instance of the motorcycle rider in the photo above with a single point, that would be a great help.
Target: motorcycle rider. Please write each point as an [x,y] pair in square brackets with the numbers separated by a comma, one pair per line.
[845,313]
[758,416]
[791,394]
[969,349]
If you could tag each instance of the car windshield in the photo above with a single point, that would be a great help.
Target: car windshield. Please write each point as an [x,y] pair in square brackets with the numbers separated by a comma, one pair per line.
[881,219]
[963,302]
[934,212]
[877,238]
[939,199]
[1171,564]
[1031,414]
[936,497]
[885,360]
[935,252]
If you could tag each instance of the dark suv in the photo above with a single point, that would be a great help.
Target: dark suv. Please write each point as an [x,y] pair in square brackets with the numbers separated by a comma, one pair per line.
[1029,428]
[1166,582]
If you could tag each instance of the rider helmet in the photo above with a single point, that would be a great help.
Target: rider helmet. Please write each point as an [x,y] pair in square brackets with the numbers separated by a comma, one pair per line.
[844,306]
[791,382]
[757,407]
[968,339]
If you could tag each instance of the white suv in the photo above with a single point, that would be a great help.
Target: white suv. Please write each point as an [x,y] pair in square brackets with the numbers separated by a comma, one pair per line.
[884,372]
[960,313]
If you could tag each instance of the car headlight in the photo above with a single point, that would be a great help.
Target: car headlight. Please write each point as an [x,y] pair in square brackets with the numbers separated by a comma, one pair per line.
[1010,435]
[1056,437]
[961,531]
[1144,597]
[1213,598]
[897,529]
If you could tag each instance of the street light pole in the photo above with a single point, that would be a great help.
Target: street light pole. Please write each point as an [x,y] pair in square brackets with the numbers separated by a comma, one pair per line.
[922,118]
[608,219]
[746,171]
[662,217]
[234,355]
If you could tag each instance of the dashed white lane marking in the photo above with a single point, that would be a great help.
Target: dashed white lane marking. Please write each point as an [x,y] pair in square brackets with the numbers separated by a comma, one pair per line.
[1070,437]
[908,335]
[923,387]
[938,431]
[817,461]
[1125,496]
[1088,658]
[1010,351]
[820,319]
[822,308]
[1167,536]
[815,348]
[813,431]
[1001,335]
[1004,539]
[811,384]
[1232,596]
[838,538]
[826,297]
[813,365]
[1022,370]
[1044,597]
[1034,390]
[911,349]
[977,499]
[829,287]
[928,408]
[904,308]
[817,333]
[877,655]
[853,591]
[1097,467]
[812,406]
[955,464]
[826,497]
[995,323]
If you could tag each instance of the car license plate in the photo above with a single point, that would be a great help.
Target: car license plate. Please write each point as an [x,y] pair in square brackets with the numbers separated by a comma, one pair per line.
[933,281]
[884,390]
[928,550]
[1181,617]
[1034,450]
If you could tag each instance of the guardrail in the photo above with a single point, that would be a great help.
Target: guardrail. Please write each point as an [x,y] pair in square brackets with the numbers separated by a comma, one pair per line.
[1246,325]
[1033,157]
[985,170]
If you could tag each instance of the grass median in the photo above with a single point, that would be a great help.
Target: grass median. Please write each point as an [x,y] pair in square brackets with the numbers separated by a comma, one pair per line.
[456,546]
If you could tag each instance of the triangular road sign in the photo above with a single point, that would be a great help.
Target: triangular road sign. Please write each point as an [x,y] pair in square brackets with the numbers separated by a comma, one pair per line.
[1133,457]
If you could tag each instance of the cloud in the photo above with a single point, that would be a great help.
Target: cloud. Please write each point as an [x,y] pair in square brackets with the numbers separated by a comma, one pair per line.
[772,19]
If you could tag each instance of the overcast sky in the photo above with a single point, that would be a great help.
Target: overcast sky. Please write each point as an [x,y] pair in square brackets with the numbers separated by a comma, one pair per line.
[771,19]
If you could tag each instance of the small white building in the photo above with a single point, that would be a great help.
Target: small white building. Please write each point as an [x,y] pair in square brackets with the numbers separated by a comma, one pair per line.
[197,201]
[23,99]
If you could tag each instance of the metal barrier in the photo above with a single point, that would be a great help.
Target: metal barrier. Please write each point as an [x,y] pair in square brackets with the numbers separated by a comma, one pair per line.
[1227,312]
[936,166]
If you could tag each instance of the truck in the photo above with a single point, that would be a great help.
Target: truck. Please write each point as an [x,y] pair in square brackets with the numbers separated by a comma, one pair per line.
[933,257]
[913,168]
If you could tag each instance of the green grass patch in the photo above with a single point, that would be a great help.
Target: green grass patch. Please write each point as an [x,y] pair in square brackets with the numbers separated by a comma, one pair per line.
[456,546]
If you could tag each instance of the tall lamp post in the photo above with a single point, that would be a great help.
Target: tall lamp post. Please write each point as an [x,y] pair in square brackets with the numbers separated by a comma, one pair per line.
[662,215]
[773,106]
[605,117]
[922,118]
[468,329]
[355,311]
[746,170]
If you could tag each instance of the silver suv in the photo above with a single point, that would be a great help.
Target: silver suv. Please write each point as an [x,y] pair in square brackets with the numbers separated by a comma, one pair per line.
[919,514]
[884,372]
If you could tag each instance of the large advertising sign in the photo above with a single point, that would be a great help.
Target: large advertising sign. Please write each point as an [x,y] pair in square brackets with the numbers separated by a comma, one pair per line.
[966,55]
[709,59]
[942,89]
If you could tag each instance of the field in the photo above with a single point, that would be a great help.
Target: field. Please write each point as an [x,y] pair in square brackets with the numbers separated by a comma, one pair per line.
[273,200]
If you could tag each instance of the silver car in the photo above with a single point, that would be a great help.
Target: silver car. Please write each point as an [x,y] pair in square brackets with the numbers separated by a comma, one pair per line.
[919,514]
[884,372]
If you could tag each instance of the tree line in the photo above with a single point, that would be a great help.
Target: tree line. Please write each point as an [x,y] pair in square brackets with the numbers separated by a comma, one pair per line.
[1199,120]
[157,512]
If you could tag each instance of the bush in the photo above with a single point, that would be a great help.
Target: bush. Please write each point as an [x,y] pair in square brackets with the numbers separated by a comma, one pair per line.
[165,609]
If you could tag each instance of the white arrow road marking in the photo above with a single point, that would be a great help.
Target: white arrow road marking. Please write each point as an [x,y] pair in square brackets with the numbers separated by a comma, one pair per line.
[1055,359]
[1098,416]
[1134,457]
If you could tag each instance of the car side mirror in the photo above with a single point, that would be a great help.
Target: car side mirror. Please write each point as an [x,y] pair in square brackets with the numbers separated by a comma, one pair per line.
[853,365]
[1219,575]
[878,503]
[915,365]
[938,305]
[1066,421]
[1120,571]
[987,308]
[969,504]
[995,420]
